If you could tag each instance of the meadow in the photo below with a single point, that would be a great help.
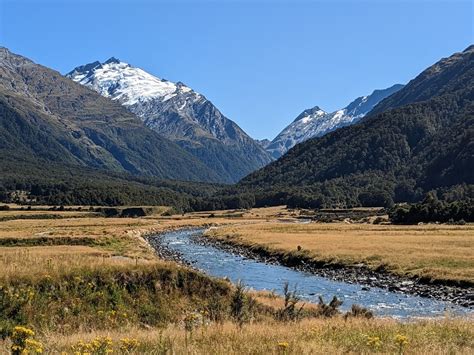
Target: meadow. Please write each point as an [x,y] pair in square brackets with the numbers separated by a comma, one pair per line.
[75,282]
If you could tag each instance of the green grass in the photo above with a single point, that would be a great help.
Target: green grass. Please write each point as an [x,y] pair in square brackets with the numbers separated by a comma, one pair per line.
[106,298]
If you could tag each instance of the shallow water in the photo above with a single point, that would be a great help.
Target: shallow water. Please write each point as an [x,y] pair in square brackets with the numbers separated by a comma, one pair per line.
[260,276]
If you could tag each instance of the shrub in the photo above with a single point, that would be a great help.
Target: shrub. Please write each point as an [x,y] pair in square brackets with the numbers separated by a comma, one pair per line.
[358,311]
[289,311]
[330,309]
[238,309]
[23,342]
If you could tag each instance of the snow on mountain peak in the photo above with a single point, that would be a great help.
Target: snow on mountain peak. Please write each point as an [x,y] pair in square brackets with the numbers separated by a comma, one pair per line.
[129,85]
[315,122]
[310,113]
[178,113]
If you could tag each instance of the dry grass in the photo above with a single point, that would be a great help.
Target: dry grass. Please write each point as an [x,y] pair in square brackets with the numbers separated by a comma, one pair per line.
[52,260]
[27,246]
[35,212]
[254,213]
[437,251]
[272,300]
[117,243]
[317,336]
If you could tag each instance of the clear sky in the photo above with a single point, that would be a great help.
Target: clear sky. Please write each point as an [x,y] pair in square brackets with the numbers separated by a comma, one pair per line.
[260,62]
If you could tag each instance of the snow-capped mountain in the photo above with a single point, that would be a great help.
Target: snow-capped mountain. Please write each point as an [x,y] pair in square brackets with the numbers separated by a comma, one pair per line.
[179,113]
[315,122]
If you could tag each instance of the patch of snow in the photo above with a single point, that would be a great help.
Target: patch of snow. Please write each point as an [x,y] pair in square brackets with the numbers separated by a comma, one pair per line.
[338,114]
[306,119]
[319,122]
[129,85]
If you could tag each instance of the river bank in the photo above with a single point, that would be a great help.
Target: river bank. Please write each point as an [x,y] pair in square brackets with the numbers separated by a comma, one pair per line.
[258,272]
[359,274]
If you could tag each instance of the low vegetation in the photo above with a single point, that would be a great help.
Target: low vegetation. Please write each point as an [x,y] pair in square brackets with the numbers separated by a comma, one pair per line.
[85,283]
[312,336]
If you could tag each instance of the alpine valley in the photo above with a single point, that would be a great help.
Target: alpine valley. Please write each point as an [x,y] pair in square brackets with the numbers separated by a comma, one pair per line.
[115,134]
[136,218]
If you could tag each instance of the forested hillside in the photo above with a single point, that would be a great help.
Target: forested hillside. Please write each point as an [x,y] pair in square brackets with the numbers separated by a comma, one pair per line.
[395,155]
[47,118]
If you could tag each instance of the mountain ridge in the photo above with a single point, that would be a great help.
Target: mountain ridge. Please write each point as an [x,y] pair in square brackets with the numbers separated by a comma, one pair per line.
[179,113]
[48,116]
[398,154]
[315,122]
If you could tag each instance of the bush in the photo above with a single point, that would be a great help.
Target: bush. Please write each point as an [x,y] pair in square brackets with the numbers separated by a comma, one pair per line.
[331,309]
[238,307]
[358,311]
[379,220]
[432,210]
[289,311]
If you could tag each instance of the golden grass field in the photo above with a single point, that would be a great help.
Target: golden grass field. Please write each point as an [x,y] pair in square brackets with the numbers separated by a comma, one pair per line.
[317,336]
[443,252]
[80,242]
[80,238]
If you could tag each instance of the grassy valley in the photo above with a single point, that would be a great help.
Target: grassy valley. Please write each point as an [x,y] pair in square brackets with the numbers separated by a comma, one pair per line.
[85,283]
[136,218]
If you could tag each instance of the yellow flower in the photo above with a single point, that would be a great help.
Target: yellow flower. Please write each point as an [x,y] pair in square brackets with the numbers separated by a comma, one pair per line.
[23,331]
[23,343]
[374,341]
[129,344]
[401,340]
[283,344]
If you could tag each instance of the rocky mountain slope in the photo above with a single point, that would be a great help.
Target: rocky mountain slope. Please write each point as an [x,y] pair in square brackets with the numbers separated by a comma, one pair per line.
[315,122]
[178,113]
[47,118]
[425,142]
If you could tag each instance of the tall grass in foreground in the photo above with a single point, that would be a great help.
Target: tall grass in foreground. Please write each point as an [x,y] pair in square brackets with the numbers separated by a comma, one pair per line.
[166,309]
[310,336]
[105,298]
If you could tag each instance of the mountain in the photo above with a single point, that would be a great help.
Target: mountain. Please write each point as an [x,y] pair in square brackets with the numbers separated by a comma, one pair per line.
[264,143]
[417,140]
[446,76]
[179,113]
[46,118]
[315,122]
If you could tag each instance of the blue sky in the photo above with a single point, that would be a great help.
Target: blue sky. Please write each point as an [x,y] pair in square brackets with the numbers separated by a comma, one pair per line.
[260,62]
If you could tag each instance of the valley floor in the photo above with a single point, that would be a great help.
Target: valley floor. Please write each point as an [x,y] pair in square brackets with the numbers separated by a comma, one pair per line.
[77,278]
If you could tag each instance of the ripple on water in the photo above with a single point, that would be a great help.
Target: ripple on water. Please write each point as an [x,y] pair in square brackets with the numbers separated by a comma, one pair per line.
[260,276]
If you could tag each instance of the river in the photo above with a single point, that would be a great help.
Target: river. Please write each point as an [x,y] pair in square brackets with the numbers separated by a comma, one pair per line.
[258,275]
